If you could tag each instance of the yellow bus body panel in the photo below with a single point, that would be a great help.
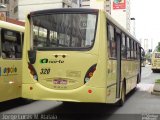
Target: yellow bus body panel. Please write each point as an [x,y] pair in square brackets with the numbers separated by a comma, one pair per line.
[80,94]
[42,90]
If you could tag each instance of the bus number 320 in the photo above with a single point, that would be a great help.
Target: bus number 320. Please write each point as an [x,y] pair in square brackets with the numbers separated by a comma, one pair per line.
[45,71]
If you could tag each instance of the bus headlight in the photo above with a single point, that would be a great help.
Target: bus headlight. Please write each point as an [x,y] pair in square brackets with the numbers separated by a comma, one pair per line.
[90,73]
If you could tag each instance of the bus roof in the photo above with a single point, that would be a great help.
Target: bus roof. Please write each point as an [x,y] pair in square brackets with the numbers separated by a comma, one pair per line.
[48,11]
[11,26]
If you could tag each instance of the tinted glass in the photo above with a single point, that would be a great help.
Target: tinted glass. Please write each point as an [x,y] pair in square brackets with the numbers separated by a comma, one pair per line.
[59,31]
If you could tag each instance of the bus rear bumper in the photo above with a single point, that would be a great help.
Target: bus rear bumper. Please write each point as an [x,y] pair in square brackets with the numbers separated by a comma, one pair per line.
[82,94]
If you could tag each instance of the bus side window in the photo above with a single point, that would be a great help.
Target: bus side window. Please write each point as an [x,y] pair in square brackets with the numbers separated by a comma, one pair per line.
[135,50]
[123,47]
[111,41]
[132,49]
[11,44]
[128,49]
[5,45]
[138,52]
[18,46]
[22,39]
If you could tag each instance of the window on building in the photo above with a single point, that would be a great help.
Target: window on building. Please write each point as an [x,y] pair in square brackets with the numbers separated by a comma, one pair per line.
[65,5]
[7,13]
[6,2]
[74,1]
[16,9]
[11,44]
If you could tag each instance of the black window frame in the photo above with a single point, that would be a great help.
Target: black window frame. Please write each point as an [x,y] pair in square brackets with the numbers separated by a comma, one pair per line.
[67,11]
[109,42]
[16,44]
[123,42]
[128,48]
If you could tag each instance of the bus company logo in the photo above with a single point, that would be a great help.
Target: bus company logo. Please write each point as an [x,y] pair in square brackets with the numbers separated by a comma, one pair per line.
[8,70]
[45,60]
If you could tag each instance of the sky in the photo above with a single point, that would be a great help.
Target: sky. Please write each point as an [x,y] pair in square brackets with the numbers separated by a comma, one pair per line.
[147,20]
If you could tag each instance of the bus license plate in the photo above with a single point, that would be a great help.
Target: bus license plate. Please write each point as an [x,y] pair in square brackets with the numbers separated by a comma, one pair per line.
[59,81]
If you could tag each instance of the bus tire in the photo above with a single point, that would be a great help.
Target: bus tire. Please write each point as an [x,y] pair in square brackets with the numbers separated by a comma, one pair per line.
[26,101]
[67,103]
[123,95]
[138,79]
[154,71]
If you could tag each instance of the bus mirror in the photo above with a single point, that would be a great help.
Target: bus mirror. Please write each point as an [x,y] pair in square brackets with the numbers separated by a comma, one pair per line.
[32,56]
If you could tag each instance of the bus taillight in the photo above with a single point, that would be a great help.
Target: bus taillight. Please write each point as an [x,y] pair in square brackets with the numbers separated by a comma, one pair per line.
[33,71]
[89,73]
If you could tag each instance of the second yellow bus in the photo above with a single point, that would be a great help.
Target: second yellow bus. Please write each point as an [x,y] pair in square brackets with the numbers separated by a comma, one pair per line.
[155,61]
[11,39]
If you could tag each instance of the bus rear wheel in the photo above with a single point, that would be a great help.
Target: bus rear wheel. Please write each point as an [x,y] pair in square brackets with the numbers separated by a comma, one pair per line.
[154,71]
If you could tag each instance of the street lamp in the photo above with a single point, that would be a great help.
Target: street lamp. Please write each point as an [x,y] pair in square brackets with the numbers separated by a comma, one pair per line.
[133,19]
[133,26]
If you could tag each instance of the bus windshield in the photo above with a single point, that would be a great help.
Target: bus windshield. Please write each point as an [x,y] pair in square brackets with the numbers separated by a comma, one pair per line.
[73,31]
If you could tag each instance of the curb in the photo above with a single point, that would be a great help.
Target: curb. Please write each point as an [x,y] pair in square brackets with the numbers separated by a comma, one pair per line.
[155,93]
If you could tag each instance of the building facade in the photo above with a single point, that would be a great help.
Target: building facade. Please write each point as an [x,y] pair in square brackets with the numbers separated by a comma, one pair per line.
[25,6]
[9,8]
[103,4]
[9,11]
[118,9]
[85,3]
[17,9]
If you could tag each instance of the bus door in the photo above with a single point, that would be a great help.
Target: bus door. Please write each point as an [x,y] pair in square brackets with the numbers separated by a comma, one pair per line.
[118,77]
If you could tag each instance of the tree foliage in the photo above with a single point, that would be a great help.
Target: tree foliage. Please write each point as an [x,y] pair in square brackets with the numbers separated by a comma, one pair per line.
[158,47]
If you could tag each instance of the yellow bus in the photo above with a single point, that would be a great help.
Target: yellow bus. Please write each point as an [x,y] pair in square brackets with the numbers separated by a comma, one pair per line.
[155,61]
[78,55]
[11,60]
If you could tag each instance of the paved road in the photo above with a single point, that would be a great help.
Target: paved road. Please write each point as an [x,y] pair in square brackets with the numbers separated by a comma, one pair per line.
[139,104]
